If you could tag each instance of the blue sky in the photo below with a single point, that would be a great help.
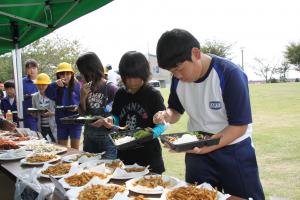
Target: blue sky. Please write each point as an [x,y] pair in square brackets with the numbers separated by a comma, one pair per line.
[262,28]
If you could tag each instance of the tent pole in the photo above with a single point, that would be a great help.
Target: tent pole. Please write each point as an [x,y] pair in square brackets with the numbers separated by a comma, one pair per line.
[17,63]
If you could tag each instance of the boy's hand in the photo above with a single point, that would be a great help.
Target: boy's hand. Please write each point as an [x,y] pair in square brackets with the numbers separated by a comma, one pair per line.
[160,117]
[73,109]
[98,123]
[48,114]
[205,149]
[60,82]
[85,90]
[108,122]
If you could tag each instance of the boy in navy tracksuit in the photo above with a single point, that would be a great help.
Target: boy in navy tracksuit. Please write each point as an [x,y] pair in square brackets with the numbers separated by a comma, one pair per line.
[9,102]
[214,92]
[31,67]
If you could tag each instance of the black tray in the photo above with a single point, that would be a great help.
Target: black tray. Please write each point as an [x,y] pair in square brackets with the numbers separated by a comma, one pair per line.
[66,108]
[132,144]
[35,110]
[189,145]
[74,119]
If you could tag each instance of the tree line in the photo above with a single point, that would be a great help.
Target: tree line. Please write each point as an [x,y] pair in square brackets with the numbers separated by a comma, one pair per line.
[51,51]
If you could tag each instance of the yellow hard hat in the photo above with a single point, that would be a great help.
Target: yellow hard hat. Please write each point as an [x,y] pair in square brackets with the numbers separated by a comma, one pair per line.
[64,67]
[42,79]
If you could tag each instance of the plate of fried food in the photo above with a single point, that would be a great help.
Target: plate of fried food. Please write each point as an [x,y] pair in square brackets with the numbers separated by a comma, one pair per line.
[79,177]
[6,144]
[130,171]
[192,192]
[39,159]
[152,184]
[98,191]
[58,170]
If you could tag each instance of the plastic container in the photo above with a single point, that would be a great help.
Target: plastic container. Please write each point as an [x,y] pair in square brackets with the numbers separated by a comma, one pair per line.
[9,116]
[132,144]
[165,138]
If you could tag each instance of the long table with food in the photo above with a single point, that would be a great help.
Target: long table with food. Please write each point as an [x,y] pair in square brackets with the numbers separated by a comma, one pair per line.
[83,176]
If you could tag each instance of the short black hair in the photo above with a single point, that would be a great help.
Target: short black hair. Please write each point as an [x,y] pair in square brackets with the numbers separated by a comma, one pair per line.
[175,47]
[134,64]
[31,62]
[9,84]
[90,66]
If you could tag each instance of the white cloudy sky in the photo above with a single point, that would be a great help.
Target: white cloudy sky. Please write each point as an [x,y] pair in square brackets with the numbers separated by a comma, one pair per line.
[263,28]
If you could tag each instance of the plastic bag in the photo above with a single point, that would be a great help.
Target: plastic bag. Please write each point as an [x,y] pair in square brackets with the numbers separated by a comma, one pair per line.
[29,188]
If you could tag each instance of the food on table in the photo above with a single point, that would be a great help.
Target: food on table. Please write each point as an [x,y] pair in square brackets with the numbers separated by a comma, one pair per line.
[141,134]
[152,182]
[114,164]
[45,148]
[8,144]
[58,169]
[78,180]
[192,193]
[40,158]
[100,192]
[21,138]
[89,155]
[140,197]
[134,169]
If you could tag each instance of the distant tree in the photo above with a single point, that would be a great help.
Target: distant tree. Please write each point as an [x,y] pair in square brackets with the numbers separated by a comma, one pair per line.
[264,70]
[292,54]
[6,64]
[48,52]
[216,47]
[283,70]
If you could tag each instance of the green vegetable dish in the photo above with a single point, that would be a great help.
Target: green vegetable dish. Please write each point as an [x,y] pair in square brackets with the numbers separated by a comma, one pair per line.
[141,134]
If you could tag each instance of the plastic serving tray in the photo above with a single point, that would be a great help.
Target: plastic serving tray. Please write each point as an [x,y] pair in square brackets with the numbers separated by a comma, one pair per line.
[65,108]
[165,138]
[131,144]
[77,119]
[35,110]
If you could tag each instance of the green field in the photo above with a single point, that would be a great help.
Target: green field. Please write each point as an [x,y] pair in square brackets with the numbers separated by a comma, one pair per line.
[276,134]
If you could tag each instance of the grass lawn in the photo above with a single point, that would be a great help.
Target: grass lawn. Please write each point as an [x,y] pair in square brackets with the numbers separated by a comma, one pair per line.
[276,135]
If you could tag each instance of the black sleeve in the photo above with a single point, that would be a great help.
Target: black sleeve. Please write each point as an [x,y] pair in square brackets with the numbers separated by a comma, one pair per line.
[116,107]
[111,92]
[174,102]
[158,102]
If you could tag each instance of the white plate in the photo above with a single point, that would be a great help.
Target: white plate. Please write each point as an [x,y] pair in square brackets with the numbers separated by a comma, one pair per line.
[158,190]
[121,174]
[4,156]
[93,163]
[220,196]
[82,159]
[46,148]
[23,161]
